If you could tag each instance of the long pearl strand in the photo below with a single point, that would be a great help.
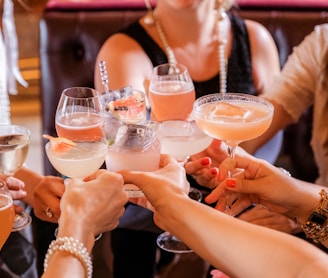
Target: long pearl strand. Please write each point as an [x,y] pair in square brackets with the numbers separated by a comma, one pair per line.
[222,63]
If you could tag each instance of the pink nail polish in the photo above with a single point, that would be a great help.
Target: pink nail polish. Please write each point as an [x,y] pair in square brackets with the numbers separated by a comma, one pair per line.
[205,161]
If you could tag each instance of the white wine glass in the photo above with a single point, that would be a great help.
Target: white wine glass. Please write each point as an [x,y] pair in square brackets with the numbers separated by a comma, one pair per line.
[79,113]
[233,118]
[7,213]
[181,138]
[14,145]
[171,92]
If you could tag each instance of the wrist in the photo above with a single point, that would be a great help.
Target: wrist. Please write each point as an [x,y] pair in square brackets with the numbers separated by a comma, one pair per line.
[316,226]
[75,227]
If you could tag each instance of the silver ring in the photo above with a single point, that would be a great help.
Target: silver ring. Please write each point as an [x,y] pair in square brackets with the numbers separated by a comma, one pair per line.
[49,212]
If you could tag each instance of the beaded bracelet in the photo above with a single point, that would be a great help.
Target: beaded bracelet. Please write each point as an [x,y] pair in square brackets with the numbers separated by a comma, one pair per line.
[73,247]
[316,227]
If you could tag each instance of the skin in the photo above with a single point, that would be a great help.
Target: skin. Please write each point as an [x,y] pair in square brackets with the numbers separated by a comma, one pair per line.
[222,235]
[42,192]
[128,64]
[83,217]
[197,50]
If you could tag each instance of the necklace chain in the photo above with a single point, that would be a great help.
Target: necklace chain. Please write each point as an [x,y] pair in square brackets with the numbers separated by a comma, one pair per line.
[222,63]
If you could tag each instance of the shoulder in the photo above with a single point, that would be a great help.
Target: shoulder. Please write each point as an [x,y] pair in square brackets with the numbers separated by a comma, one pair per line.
[258,32]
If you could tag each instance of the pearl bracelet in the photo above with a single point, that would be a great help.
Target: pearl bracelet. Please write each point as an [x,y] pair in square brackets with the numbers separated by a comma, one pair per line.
[73,247]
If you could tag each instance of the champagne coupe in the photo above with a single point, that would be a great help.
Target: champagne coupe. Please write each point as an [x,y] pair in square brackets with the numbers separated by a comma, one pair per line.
[180,140]
[233,118]
[79,113]
[7,213]
[14,145]
[79,159]
[171,92]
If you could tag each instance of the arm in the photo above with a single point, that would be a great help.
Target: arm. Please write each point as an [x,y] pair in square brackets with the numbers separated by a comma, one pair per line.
[87,209]
[223,240]
[127,64]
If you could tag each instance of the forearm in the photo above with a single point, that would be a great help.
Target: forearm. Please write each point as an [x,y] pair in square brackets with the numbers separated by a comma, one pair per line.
[62,263]
[226,242]
[31,179]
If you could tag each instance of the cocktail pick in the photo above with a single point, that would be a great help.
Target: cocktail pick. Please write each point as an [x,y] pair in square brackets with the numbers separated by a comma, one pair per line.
[103,75]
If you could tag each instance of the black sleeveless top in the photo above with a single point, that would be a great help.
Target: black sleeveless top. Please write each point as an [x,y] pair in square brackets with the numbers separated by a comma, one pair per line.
[239,78]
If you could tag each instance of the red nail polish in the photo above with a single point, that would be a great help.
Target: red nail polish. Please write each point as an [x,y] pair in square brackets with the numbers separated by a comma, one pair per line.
[205,161]
[230,183]
[214,171]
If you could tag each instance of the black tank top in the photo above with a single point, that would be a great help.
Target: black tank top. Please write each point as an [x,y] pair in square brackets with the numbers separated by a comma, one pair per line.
[239,79]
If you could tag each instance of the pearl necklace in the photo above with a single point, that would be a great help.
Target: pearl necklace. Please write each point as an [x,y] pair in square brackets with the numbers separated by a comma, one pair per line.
[221,14]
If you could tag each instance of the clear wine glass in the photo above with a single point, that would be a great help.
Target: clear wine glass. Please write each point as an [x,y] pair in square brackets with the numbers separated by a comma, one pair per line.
[79,113]
[14,145]
[233,118]
[171,92]
[7,213]
[181,138]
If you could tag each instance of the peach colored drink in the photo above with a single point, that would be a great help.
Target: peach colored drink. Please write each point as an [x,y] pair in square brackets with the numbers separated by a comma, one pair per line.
[7,217]
[234,121]
[171,100]
[77,125]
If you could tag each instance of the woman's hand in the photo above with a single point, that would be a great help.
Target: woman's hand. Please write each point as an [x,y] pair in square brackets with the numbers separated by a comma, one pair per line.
[47,195]
[16,190]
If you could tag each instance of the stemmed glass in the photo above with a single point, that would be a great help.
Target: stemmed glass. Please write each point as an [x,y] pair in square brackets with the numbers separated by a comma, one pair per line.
[7,213]
[14,145]
[171,92]
[233,118]
[180,140]
[79,113]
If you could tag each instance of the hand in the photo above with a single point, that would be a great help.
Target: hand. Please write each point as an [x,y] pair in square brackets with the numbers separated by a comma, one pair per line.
[16,190]
[158,185]
[265,184]
[96,204]
[47,195]
[204,166]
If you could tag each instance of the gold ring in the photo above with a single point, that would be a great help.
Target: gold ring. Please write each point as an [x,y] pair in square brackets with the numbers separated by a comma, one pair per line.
[49,212]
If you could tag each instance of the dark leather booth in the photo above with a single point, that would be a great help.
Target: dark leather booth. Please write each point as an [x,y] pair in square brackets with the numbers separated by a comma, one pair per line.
[70,37]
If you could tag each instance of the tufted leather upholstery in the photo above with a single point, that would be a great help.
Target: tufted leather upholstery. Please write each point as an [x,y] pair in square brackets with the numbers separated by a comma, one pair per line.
[70,40]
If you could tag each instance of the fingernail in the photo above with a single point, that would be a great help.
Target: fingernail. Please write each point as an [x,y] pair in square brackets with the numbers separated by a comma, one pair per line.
[205,161]
[230,183]
[214,171]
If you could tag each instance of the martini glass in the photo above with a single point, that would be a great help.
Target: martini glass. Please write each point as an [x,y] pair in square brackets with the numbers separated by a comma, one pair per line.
[14,144]
[233,118]
[180,140]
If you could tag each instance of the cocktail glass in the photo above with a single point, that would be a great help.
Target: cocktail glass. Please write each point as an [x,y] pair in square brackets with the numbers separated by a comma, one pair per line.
[14,145]
[180,140]
[79,113]
[80,159]
[171,93]
[135,147]
[233,118]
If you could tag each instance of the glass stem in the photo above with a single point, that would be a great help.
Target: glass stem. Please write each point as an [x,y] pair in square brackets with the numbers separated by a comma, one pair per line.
[231,153]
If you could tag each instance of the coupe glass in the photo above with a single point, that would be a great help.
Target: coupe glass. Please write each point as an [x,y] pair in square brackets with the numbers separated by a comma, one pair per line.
[180,140]
[233,118]
[7,213]
[79,113]
[14,145]
[171,92]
